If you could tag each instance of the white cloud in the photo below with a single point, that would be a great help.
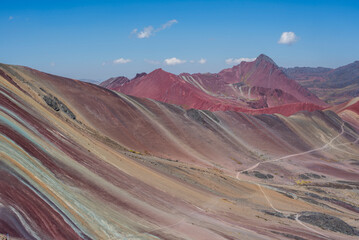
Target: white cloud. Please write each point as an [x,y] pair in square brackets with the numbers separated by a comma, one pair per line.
[153,62]
[11,18]
[167,25]
[192,61]
[234,61]
[288,38]
[150,30]
[202,61]
[52,64]
[174,61]
[146,32]
[121,61]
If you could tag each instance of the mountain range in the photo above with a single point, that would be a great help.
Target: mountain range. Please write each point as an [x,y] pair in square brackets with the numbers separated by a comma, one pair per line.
[250,85]
[331,85]
[248,153]
[244,88]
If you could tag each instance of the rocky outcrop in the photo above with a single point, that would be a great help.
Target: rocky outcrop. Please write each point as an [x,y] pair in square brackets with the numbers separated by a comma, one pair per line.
[262,176]
[138,75]
[57,105]
[306,176]
[328,222]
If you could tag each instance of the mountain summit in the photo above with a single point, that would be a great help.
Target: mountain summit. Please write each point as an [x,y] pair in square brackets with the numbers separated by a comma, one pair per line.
[264,58]
[249,85]
[264,72]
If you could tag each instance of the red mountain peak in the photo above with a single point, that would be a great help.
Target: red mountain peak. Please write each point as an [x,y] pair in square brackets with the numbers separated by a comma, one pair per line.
[264,59]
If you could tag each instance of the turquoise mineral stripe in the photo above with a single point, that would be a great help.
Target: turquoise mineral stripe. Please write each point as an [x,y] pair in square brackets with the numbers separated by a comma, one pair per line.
[19,129]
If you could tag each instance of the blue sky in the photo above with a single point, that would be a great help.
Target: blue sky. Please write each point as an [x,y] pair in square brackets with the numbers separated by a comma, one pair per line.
[83,39]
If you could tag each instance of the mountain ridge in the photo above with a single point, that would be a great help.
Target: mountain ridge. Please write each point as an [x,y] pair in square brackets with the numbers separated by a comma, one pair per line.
[227,89]
[73,151]
[333,85]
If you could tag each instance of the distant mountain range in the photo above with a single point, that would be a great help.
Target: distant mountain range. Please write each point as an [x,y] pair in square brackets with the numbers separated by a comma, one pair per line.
[260,84]
[254,87]
[331,85]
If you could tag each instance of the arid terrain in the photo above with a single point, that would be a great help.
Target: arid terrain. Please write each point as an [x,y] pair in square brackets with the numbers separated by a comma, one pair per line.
[247,153]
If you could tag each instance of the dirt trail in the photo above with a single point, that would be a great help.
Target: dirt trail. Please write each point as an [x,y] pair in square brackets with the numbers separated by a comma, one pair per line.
[287,213]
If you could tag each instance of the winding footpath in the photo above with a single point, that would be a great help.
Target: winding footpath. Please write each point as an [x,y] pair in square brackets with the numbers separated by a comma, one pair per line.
[288,213]
[296,154]
[285,213]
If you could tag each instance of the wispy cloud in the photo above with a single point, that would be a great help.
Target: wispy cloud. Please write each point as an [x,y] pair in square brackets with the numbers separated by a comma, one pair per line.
[121,61]
[167,25]
[288,38]
[52,64]
[150,30]
[11,18]
[234,61]
[146,32]
[202,61]
[173,61]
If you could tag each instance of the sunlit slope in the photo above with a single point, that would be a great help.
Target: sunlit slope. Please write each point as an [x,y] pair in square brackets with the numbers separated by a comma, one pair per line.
[82,162]
[349,111]
[251,87]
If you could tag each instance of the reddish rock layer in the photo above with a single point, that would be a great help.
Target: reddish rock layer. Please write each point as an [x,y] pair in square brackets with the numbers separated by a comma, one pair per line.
[249,85]
[134,168]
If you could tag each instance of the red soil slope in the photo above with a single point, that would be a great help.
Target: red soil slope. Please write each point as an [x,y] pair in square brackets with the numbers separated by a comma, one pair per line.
[354,107]
[250,85]
[169,88]
[142,169]
[263,72]
[349,111]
